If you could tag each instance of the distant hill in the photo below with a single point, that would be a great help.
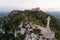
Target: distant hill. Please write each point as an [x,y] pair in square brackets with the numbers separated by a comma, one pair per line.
[3,14]
[15,17]
[54,13]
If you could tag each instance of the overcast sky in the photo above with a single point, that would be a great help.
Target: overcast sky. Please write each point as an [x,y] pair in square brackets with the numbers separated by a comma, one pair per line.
[28,4]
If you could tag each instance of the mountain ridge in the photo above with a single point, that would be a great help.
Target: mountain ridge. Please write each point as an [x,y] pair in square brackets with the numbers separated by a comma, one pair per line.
[15,17]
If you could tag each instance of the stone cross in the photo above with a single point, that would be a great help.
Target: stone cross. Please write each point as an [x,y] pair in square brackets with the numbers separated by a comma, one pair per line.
[48,21]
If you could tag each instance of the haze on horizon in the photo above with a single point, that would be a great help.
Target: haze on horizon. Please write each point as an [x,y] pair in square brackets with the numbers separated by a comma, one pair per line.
[28,4]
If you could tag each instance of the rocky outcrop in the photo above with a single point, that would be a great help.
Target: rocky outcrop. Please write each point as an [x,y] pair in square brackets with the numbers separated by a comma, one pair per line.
[46,33]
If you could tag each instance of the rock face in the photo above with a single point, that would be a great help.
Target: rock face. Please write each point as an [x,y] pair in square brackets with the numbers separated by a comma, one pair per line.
[27,27]
[47,33]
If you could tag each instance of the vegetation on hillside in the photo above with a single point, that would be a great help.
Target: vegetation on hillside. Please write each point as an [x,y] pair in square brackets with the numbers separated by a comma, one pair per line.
[12,21]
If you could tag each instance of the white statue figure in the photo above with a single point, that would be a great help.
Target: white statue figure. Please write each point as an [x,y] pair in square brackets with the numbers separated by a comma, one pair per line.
[48,21]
